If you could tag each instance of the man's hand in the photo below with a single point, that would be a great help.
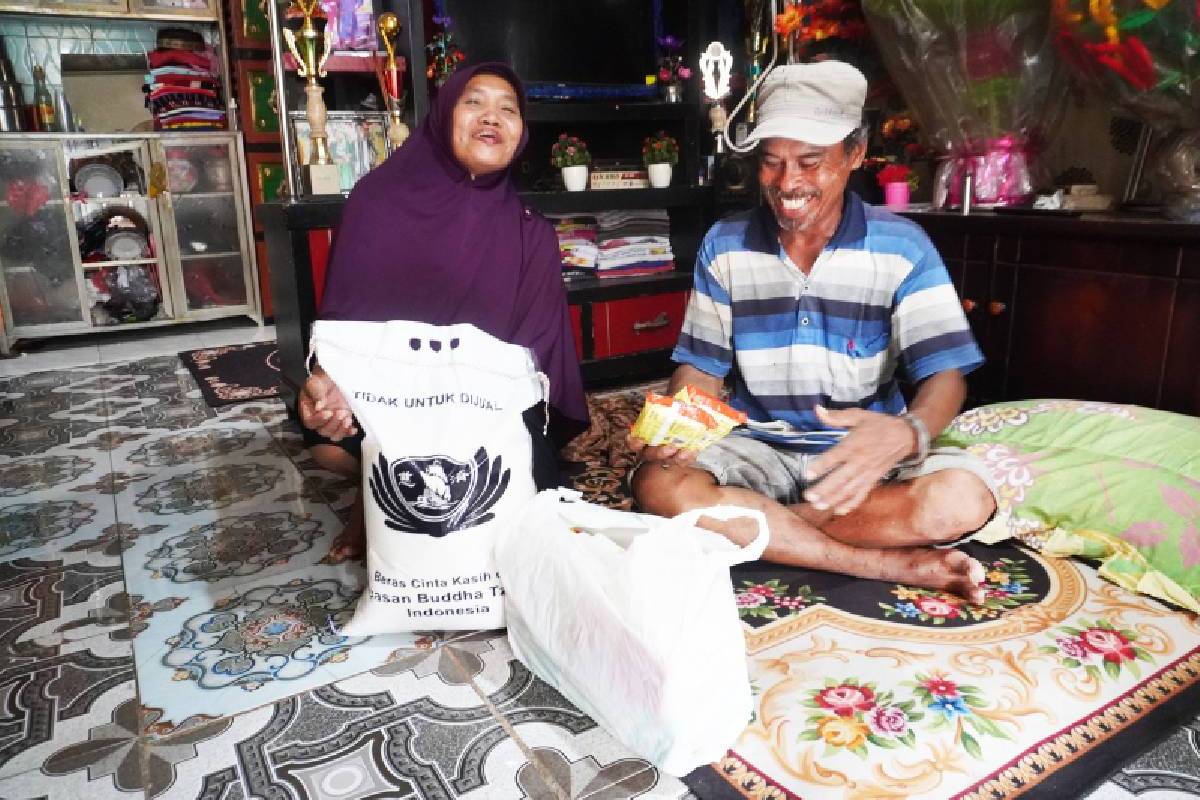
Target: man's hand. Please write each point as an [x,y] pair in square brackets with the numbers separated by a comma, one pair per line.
[324,409]
[664,453]
[851,469]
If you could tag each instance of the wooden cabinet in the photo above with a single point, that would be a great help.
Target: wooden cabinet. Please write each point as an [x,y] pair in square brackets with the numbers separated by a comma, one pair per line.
[1099,308]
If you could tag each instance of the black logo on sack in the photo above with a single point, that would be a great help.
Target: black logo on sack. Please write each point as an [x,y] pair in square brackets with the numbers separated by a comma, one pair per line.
[436,495]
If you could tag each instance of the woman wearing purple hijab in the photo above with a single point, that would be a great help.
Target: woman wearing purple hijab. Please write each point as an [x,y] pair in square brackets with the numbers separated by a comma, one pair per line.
[437,234]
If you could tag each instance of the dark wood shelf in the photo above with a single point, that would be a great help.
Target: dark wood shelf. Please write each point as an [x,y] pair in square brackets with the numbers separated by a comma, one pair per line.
[604,111]
[596,289]
[605,199]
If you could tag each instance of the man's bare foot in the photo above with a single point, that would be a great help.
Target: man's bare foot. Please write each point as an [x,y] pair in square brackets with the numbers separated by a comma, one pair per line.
[351,543]
[950,571]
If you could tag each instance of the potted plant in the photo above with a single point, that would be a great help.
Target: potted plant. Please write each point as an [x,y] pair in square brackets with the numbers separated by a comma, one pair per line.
[898,182]
[660,153]
[570,154]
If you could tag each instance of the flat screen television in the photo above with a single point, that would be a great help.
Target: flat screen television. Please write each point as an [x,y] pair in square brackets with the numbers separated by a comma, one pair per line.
[584,41]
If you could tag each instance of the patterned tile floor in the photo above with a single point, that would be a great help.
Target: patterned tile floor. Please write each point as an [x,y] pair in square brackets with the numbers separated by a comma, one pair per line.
[163,603]
[162,599]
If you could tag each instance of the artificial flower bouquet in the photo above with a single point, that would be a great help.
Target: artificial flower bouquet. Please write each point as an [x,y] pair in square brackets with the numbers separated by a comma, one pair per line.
[569,151]
[660,149]
[691,420]
[1144,54]
[897,173]
[983,80]
[671,69]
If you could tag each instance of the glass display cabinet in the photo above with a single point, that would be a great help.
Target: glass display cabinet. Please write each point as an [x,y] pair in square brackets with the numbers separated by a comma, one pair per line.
[129,230]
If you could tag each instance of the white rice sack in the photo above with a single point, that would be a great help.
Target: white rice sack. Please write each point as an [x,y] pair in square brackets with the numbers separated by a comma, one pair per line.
[447,464]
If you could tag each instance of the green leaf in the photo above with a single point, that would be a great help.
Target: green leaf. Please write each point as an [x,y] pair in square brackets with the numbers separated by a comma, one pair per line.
[965,689]
[811,704]
[909,738]
[816,718]
[860,751]
[1112,669]
[971,746]
[1137,19]
[1093,671]
[809,736]
[1048,649]
[1134,668]
[1142,655]
[1072,631]
[973,701]
[1071,662]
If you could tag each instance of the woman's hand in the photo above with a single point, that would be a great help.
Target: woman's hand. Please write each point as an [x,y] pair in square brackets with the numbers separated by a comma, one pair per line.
[323,407]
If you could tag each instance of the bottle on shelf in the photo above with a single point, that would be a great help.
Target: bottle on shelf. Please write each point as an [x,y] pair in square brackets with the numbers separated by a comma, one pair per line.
[43,102]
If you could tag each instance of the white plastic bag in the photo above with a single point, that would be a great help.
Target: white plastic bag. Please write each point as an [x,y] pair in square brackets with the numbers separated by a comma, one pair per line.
[633,619]
[447,463]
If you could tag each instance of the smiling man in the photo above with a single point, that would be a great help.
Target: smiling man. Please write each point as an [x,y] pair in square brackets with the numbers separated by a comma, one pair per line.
[811,305]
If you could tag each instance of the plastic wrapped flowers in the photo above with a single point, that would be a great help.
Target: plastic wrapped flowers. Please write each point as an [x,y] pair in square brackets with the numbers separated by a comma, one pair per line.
[982,78]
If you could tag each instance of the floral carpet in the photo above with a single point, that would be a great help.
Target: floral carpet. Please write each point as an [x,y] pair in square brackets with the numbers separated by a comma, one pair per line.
[164,609]
[870,690]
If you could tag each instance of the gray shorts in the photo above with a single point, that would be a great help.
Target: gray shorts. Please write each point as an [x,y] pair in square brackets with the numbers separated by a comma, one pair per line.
[740,460]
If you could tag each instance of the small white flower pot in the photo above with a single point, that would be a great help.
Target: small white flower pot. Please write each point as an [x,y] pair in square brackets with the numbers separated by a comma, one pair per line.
[575,178]
[660,175]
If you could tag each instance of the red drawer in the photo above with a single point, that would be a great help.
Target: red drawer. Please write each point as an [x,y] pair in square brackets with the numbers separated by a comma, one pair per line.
[577,329]
[638,324]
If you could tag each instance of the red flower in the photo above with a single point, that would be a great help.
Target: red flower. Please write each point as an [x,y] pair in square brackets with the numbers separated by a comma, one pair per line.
[941,687]
[893,173]
[1107,643]
[844,700]
[762,588]
[1130,59]
[937,607]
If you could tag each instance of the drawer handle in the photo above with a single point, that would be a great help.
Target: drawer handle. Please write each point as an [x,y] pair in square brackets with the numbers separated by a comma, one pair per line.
[661,321]
[969,305]
[996,308]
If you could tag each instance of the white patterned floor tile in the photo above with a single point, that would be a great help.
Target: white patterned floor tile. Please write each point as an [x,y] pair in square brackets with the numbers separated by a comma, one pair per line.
[241,334]
[120,352]
[261,641]
[53,697]
[50,359]
[586,760]
[404,734]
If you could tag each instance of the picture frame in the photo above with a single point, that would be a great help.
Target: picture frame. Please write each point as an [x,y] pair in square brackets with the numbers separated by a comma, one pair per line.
[268,178]
[351,24]
[259,111]
[357,142]
[184,9]
[251,26]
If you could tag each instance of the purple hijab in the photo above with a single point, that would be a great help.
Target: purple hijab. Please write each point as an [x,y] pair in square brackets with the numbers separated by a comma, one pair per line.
[421,240]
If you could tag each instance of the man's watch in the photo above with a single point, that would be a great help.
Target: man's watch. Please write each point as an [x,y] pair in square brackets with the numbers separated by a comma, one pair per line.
[922,434]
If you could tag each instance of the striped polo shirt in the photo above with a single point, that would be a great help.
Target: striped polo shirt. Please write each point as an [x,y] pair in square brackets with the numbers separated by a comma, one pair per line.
[877,299]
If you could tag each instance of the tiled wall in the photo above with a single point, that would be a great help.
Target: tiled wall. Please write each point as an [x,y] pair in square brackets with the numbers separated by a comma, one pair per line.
[31,40]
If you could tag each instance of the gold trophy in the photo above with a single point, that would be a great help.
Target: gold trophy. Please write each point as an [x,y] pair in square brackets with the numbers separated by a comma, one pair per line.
[311,53]
[390,81]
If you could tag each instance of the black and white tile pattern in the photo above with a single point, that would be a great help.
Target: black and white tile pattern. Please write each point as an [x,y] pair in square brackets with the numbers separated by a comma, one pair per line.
[161,580]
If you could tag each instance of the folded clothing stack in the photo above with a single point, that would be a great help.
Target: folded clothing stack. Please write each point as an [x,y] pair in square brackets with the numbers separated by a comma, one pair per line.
[634,243]
[183,90]
[576,244]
